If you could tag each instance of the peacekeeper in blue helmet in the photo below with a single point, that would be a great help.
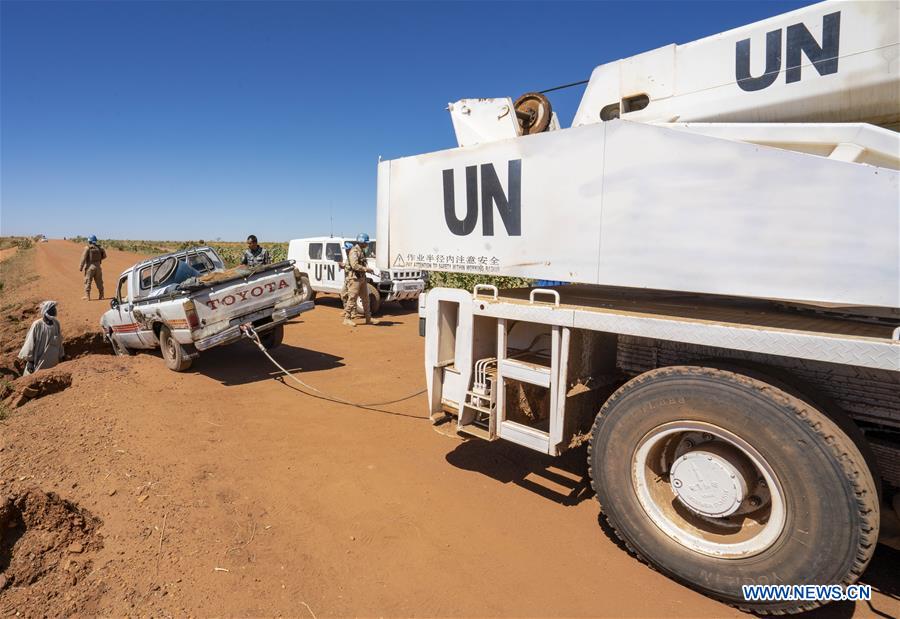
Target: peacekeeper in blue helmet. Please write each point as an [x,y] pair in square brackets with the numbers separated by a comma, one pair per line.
[90,265]
[355,281]
[345,267]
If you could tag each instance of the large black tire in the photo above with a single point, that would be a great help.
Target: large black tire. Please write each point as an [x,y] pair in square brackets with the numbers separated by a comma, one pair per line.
[797,387]
[273,337]
[306,291]
[374,301]
[829,497]
[174,354]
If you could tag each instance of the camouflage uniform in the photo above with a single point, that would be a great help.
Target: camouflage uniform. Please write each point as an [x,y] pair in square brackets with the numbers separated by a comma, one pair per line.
[345,289]
[356,284]
[257,258]
[90,263]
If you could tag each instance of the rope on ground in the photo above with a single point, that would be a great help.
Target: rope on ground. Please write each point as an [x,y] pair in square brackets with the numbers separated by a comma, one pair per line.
[250,333]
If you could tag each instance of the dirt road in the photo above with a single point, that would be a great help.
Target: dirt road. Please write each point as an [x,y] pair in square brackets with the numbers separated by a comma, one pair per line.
[223,491]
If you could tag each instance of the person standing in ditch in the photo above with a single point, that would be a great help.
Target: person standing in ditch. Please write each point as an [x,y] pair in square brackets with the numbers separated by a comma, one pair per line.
[357,286]
[255,255]
[43,347]
[90,264]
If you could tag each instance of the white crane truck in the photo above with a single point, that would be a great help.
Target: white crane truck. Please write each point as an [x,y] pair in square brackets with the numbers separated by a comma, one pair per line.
[728,214]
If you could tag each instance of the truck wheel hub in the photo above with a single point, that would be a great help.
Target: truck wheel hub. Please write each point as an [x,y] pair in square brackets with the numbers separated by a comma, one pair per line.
[709,483]
[708,489]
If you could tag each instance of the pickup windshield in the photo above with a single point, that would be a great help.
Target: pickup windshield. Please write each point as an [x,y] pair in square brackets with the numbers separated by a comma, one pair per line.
[174,270]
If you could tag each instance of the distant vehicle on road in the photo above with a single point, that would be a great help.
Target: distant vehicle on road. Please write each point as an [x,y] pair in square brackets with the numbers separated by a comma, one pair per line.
[319,258]
[186,302]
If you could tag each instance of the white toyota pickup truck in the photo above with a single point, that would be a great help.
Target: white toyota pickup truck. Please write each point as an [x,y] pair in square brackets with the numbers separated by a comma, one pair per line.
[186,302]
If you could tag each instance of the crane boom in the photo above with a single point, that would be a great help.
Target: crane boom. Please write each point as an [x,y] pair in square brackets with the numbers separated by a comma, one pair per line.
[803,211]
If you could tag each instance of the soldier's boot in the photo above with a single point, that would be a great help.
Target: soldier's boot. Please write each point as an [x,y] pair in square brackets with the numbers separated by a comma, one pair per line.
[86,297]
[349,322]
[372,321]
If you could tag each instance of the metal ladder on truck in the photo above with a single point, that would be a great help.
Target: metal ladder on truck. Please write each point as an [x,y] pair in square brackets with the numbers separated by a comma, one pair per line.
[482,411]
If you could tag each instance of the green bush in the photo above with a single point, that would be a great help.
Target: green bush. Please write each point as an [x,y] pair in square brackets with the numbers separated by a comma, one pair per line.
[231,253]
[137,247]
[22,242]
[467,281]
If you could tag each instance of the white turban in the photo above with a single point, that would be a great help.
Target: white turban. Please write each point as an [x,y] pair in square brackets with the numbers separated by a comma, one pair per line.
[46,307]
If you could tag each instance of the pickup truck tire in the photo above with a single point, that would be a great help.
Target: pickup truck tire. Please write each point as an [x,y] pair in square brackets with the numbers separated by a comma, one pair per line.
[273,337]
[119,349]
[374,301]
[174,354]
[674,449]
[306,291]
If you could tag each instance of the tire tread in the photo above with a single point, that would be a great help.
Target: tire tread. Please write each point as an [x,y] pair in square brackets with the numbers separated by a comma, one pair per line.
[841,446]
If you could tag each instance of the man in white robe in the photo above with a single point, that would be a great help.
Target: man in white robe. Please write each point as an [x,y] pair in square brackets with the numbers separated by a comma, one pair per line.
[43,346]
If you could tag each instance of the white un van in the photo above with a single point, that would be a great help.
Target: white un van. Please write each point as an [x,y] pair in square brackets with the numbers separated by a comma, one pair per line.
[320,259]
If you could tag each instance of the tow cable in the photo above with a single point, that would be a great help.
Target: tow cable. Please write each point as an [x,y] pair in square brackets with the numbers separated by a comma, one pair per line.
[250,333]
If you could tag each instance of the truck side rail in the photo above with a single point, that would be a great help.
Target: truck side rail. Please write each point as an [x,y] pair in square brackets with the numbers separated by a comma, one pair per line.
[489,287]
[545,292]
[799,335]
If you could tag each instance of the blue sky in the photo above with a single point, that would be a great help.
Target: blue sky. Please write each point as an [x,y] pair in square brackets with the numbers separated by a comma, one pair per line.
[190,120]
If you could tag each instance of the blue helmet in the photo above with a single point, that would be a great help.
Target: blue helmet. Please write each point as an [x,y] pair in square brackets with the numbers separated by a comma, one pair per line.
[362,238]
[348,245]
[92,239]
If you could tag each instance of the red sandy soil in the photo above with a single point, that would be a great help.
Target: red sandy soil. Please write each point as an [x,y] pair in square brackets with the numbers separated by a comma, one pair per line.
[222,491]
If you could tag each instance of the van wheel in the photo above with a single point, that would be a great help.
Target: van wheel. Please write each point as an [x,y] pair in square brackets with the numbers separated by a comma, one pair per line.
[306,291]
[374,301]
[273,337]
[719,480]
[173,352]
